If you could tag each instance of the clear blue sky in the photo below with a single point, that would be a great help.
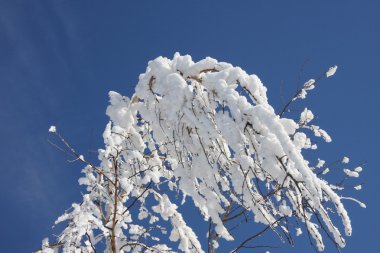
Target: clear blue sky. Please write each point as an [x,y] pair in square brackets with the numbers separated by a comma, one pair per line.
[60,58]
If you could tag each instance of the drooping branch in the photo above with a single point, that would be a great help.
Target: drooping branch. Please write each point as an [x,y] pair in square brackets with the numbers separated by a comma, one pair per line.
[205,131]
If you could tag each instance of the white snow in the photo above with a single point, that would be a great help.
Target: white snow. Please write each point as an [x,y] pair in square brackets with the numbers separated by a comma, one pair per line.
[345,159]
[331,71]
[298,231]
[206,131]
[309,85]
[325,171]
[285,210]
[52,129]
[361,204]
[351,173]
[320,163]
[306,116]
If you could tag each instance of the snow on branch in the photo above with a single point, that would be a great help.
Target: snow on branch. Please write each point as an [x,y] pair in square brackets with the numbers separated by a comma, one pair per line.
[204,130]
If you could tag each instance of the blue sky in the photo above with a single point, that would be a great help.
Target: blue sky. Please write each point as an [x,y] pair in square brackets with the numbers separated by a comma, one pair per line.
[60,58]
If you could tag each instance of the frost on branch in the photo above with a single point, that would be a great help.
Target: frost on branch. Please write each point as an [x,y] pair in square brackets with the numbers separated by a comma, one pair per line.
[204,130]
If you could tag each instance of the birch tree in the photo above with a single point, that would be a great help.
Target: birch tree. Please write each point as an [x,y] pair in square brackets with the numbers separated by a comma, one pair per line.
[204,132]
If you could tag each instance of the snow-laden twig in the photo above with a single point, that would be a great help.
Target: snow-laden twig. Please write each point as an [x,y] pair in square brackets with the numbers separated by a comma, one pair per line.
[203,130]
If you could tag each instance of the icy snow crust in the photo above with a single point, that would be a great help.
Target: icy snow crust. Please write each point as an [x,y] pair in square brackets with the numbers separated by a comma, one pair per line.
[187,126]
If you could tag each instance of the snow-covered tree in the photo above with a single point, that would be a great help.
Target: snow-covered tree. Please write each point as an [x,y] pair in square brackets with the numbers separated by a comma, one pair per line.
[202,131]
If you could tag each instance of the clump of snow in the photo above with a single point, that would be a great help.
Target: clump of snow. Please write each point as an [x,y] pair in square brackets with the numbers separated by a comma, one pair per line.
[302,94]
[309,85]
[331,71]
[298,231]
[351,173]
[345,159]
[325,171]
[289,125]
[320,163]
[320,133]
[306,116]
[45,246]
[285,210]
[52,129]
